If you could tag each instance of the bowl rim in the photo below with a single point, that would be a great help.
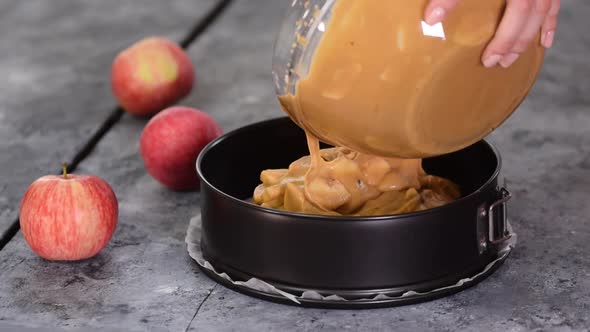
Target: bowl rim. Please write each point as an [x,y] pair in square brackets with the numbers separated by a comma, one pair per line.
[304,216]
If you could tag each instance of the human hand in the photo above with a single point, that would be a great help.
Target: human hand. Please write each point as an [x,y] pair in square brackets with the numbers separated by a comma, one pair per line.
[519,26]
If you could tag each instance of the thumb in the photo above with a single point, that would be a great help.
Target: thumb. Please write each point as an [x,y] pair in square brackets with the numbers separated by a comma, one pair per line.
[437,10]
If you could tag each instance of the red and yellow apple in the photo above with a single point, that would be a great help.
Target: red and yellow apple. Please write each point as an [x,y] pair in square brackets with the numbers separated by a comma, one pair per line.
[171,142]
[151,75]
[69,217]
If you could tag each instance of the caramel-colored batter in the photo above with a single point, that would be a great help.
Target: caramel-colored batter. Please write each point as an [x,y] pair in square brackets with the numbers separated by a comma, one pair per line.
[382,85]
[382,82]
[338,181]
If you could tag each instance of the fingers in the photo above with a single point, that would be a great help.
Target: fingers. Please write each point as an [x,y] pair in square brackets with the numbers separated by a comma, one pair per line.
[537,17]
[513,23]
[522,21]
[531,31]
[550,24]
[437,10]
[521,24]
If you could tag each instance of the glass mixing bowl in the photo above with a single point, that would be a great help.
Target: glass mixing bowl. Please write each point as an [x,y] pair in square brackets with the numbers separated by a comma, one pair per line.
[371,76]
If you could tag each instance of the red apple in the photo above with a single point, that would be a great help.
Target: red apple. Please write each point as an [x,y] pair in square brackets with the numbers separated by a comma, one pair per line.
[171,143]
[150,75]
[69,217]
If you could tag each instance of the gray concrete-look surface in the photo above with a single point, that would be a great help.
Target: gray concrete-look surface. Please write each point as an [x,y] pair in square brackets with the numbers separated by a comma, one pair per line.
[55,61]
[145,280]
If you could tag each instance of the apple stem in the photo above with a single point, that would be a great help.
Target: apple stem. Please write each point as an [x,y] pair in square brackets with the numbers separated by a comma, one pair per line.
[64,169]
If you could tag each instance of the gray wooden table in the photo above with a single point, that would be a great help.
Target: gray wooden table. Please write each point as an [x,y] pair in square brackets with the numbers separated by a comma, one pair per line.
[55,96]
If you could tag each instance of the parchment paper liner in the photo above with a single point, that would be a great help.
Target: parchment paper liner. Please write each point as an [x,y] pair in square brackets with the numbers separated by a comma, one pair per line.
[193,242]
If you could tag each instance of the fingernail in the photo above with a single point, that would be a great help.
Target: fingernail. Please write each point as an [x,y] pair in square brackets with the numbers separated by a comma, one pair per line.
[547,39]
[435,16]
[492,60]
[509,59]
